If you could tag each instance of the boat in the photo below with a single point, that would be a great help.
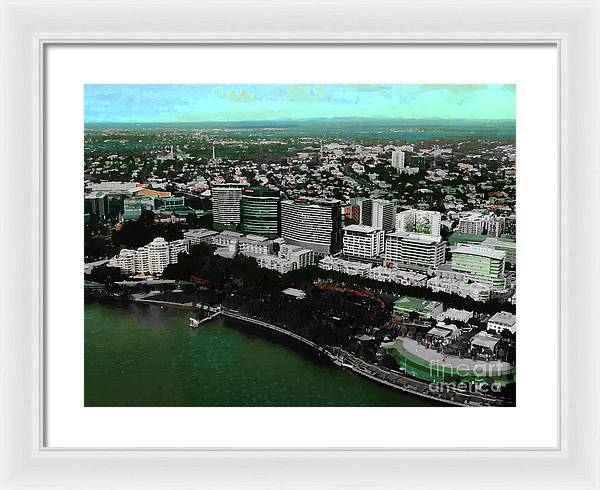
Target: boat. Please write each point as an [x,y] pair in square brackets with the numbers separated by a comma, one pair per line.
[194,323]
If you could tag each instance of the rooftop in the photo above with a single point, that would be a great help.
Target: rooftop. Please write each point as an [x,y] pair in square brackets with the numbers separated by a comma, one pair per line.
[427,239]
[479,250]
[360,229]
[200,232]
[261,192]
[504,318]
[439,332]
[233,234]
[408,302]
[96,195]
[296,293]
[486,340]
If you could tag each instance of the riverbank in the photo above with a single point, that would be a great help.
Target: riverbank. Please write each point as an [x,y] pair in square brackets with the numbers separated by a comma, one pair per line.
[392,379]
[447,394]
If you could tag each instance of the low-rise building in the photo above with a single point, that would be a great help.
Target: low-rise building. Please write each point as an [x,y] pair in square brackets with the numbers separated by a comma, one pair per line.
[227,238]
[442,334]
[255,244]
[484,343]
[199,235]
[424,308]
[330,263]
[502,321]
[455,315]
[406,278]
[294,293]
[460,287]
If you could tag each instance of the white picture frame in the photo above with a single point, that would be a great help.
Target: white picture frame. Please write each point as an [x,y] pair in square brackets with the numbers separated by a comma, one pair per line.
[27,28]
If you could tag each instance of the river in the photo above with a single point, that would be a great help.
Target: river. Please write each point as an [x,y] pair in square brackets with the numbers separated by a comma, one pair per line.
[142,355]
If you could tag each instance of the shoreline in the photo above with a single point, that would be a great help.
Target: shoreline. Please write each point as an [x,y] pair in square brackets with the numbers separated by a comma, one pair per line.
[347,361]
[348,366]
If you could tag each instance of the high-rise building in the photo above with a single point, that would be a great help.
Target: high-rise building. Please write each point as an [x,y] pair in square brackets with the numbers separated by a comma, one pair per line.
[96,204]
[365,206]
[176,247]
[313,224]
[384,215]
[142,260]
[495,226]
[510,226]
[226,200]
[414,251]
[260,211]
[471,225]
[152,258]
[481,264]
[124,261]
[158,255]
[419,222]
[398,159]
[363,242]
[350,214]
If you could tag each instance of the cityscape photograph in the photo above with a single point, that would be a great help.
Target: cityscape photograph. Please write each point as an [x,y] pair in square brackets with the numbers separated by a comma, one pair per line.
[315,245]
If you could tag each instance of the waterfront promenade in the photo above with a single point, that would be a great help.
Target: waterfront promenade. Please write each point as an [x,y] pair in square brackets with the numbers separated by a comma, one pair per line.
[451,395]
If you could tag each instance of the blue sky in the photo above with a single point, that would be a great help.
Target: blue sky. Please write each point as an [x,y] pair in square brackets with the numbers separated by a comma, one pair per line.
[210,103]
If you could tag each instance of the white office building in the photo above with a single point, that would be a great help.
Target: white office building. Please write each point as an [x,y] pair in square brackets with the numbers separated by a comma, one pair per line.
[419,222]
[226,200]
[312,223]
[254,244]
[414,251]
[362,241]
[289,258]
[199,235]
[384,215]
[227,239]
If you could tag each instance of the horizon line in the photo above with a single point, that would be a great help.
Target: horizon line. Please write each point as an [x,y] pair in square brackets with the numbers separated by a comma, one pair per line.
[307,119]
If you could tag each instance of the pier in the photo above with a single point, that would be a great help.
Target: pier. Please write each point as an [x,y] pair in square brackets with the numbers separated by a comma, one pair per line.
[215,313]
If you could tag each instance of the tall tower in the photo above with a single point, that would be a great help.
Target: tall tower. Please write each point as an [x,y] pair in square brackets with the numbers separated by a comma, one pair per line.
[214,157]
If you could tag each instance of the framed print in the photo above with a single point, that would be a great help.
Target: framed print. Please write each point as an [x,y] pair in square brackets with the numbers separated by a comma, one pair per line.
[298,243]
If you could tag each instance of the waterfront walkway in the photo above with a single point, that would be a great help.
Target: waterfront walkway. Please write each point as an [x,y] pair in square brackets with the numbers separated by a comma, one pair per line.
[394,379]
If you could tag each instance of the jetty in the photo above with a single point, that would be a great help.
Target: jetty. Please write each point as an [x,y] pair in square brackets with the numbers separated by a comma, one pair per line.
[195,323]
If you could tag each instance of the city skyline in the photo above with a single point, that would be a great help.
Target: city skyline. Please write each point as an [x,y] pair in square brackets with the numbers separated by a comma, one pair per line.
[189,103]
[385,247]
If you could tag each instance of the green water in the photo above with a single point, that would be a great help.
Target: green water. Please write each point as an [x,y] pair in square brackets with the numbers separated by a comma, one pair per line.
[140,355]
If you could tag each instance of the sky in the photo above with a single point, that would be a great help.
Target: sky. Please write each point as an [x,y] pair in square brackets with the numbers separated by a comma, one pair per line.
[139,103]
